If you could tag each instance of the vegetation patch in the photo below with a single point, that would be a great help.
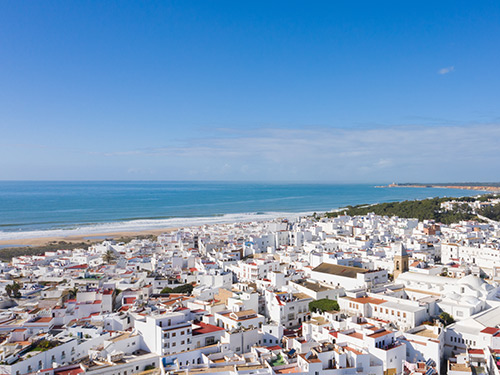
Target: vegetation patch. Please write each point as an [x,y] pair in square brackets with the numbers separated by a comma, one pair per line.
[427,209]
[44,345]
[186,288]
[323,305]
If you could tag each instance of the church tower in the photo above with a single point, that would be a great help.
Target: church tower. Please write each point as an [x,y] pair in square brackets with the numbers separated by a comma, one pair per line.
[400,259]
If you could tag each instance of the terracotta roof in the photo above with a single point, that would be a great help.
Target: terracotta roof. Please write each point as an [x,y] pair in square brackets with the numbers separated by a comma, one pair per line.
[356,335]
[43,320]
[363,300]
[206,328]
[490,330]
[379,334]
[275,347]
[476,351]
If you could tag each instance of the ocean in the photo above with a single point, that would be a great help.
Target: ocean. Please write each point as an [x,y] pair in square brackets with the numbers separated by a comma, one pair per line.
[31,209]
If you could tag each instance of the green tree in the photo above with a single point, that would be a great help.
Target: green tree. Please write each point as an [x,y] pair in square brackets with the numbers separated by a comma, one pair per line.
[13,290]
[108,257]
[446,318]
[491,212]
[73,292]
[186,288]
[419,209]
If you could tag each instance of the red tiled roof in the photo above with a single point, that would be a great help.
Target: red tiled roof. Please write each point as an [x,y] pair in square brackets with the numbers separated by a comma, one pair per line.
[356,335]
[476,351]
[490,330]
[43,320]
[275,347]
[206,328]
[77,267]
[363,300]
[69,371]
[379,334]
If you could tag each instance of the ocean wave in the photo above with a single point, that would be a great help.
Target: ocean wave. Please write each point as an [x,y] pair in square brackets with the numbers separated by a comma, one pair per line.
[147,224]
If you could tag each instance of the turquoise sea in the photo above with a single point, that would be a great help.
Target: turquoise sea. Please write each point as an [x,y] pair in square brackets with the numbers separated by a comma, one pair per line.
[49,208]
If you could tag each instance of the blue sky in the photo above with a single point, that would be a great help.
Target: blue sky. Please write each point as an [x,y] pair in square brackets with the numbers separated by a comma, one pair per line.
[334,91]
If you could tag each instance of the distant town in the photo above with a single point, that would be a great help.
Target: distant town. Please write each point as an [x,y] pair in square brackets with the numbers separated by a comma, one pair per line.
[350,292]
[491,187]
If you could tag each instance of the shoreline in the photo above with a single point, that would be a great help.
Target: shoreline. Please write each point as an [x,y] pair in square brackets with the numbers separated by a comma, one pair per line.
[36,238]
[91,238]
[495,189]
[93,235]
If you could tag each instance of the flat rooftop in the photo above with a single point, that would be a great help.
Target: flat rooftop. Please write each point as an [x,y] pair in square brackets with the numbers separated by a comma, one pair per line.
[315,287]
[335,269]
[426,333]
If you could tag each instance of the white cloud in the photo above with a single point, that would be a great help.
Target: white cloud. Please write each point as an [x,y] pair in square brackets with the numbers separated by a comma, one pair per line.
[401,153]
[446,70]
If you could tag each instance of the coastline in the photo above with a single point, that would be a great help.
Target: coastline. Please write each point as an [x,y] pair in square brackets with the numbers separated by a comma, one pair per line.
[91,238]
[132,228]
[284,202]
[480,188]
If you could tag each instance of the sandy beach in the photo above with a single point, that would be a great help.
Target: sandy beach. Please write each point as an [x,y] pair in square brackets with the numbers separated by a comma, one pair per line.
[94,237]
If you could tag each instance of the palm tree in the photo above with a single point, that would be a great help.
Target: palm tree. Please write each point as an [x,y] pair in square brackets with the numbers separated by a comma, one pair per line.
[12,290]
[108,256]
[8,289]
[73,292]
